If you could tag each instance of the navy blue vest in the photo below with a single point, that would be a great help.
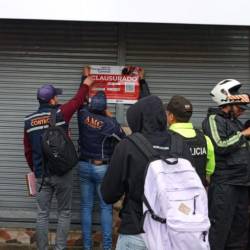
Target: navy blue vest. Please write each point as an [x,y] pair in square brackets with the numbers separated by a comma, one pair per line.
[95,135]
[35,124]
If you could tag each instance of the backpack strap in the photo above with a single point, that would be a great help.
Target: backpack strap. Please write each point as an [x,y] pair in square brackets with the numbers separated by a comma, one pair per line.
[144,146]
[202,139]
[177,144]
[52,123]
[201,136]
[151,211]
[148,151]
[52,120]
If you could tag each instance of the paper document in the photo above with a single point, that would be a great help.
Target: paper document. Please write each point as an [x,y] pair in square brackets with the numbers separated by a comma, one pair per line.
[31,183]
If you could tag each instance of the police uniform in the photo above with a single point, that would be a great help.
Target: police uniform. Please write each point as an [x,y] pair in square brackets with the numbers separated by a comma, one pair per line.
[228,193]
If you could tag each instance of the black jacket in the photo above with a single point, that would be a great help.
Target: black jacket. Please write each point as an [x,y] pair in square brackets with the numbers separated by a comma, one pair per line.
[125,174]
[232,154]
[144,89]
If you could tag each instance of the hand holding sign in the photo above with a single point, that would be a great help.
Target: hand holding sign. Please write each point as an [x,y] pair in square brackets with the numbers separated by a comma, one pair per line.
[108,113]
[88,81]
[120,84]
[141,73]
[86,71]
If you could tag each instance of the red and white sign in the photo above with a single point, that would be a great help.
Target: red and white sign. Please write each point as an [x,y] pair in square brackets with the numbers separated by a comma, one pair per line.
[120,83]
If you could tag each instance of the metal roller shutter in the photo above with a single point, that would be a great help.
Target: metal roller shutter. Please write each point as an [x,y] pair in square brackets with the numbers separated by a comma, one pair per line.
[189,60]
[33,53]
[178,59]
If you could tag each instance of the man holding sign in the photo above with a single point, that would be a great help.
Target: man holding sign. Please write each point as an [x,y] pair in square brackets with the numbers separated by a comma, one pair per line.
[121,84]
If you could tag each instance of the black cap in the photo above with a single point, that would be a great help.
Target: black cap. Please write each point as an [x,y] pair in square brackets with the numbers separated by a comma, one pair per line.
[181,108]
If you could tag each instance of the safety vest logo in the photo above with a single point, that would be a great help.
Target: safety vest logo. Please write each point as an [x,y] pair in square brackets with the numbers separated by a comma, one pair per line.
[40,121]
[93,122]
[198,151]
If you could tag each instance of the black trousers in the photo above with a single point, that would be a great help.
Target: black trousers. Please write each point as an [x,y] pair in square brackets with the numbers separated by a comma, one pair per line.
[228,213]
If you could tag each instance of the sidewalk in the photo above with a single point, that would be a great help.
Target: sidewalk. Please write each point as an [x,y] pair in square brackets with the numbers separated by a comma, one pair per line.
[28,247]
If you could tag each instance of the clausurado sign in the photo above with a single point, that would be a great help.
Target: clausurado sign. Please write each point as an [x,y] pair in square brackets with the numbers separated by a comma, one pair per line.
[120,83]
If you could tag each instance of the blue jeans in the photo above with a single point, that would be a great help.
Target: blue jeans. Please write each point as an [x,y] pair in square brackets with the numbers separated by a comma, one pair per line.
[90,180]
[130,242]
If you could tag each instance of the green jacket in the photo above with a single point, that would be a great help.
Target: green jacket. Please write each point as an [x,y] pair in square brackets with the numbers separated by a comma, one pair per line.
[187,130]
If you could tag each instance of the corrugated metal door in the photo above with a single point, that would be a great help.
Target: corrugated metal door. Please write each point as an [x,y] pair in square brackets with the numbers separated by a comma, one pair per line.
[186,60]
[189,60]
[33,53]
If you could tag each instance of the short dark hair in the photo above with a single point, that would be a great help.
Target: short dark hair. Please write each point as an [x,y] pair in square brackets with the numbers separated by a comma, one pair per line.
[180,107]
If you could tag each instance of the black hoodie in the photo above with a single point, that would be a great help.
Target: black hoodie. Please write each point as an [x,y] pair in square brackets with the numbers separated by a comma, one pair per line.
[125,174]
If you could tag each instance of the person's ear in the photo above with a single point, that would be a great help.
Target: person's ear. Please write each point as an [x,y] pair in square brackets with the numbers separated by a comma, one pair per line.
[53,101]
[170,118]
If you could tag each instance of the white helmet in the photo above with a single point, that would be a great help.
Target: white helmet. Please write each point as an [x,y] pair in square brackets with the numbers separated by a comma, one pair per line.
[225,92]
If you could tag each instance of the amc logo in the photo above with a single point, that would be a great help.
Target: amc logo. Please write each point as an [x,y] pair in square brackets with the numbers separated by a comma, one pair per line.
[93,122]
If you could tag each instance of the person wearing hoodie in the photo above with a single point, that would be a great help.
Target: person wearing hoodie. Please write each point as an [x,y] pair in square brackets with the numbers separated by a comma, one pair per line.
[125,175]
[228,192]
[98,133]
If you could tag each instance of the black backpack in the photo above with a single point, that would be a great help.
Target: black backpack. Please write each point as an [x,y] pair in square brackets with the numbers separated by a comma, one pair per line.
[59,154]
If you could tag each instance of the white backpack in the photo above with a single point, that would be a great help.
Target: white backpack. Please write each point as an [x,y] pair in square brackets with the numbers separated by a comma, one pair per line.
[174,203]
